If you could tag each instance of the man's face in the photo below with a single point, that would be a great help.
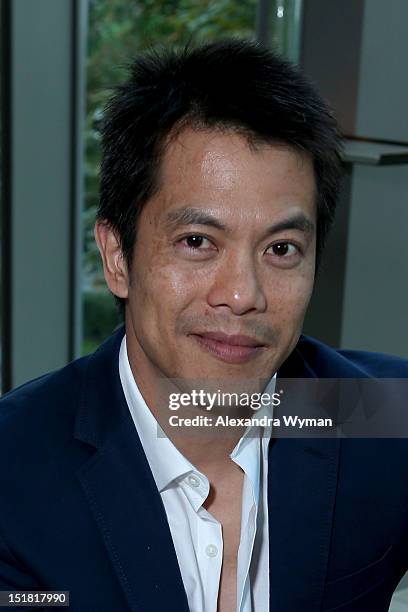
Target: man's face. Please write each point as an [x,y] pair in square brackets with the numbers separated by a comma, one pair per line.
[224,260]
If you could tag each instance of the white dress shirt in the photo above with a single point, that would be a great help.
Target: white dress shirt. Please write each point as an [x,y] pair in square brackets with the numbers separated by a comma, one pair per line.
[197,535]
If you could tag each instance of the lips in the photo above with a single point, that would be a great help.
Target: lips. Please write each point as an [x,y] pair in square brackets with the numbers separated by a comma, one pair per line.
[234,348]
[232,340]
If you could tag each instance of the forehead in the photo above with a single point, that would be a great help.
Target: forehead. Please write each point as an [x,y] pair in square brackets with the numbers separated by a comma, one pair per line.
[223,169]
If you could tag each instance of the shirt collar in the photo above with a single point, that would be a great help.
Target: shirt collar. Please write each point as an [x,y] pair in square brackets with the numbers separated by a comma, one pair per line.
[166,462]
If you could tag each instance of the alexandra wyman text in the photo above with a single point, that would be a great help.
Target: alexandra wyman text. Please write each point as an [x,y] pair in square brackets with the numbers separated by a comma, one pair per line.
[264,421]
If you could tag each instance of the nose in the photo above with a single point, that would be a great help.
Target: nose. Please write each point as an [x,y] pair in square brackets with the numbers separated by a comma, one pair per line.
[237,286]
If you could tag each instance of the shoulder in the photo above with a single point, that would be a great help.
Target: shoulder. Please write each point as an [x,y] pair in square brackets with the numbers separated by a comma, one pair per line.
[327,361]
[44,411]
[44,389]
[43,408]
[61,390]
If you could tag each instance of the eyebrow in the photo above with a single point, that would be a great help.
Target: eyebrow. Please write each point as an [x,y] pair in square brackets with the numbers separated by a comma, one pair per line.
[193,216]
[297,222]
[197,216]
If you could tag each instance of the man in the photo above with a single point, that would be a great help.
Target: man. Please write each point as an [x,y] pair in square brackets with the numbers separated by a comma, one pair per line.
[219,182]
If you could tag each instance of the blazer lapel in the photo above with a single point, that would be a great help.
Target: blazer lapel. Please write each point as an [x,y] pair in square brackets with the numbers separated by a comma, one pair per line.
[129,513]
[122,494]
[302,479]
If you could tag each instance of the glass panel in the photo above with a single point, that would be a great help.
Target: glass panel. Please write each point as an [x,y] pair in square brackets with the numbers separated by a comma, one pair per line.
[118,29]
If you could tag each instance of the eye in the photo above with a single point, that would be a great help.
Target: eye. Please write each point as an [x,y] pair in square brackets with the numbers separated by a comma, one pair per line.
[196,242]
[283,249]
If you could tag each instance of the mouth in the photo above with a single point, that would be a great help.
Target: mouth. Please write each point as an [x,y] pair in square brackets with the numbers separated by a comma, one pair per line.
[233,348]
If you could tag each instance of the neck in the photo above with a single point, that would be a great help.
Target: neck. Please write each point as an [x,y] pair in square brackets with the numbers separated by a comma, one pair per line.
[200,444]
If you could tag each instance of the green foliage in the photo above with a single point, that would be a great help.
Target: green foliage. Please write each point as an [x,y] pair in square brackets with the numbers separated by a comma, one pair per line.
[100,317]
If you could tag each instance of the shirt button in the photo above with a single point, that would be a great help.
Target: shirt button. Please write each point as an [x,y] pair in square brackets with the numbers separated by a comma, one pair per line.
[211,550]
[193,481]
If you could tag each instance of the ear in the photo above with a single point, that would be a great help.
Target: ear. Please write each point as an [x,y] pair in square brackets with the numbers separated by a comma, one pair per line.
[114,265]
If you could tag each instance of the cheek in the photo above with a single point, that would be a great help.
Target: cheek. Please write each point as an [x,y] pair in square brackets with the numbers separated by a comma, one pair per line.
[289,297]
[162,287]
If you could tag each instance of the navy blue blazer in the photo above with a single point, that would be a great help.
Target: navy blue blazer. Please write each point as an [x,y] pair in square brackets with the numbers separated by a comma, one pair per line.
[79,509]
